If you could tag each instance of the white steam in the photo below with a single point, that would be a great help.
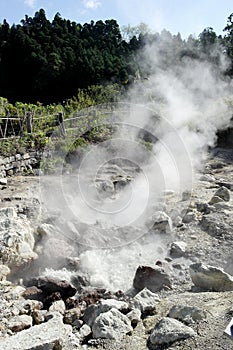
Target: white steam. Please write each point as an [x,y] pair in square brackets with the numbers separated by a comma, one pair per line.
[182,106]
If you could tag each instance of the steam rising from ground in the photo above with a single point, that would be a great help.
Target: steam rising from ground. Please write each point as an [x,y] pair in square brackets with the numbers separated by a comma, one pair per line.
[179,107]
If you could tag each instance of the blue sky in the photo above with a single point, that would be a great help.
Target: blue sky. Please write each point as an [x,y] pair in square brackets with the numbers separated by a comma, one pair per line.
[184,16]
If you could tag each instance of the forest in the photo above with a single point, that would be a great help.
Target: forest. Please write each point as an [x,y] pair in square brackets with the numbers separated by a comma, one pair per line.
[50,61]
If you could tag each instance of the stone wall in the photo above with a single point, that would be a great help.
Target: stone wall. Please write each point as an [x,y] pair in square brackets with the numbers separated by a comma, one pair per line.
[19,163]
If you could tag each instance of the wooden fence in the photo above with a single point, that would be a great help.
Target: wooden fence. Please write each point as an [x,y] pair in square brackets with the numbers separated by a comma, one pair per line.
[19,126]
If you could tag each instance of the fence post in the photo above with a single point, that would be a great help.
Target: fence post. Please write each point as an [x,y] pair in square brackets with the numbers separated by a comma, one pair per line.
[60,119]
[29,122]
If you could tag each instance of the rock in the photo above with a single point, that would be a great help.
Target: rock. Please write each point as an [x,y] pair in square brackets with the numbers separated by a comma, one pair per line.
[161,221]
[204,208]
[223,193]
[215,199]
[189,217]
[178,249]
[186,196]
[228,185]
[46,230]
[18,323]
[83,332]
[145,301]
[48,335]
[210,278]
[52,285]
[72,315]
[113,303]
[16,240]
[4,272]
[55,253]
[3,181]
[153,278]
[58,306]
[223,206]
[207,178]
[33,293]
[134,316]
[111,325]
[187,314]
[216,225]
[38,316]
[169,330]
[29,306]
[93,311]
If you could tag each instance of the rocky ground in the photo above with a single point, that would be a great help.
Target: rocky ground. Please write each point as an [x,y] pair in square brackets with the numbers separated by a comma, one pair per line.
[184,300]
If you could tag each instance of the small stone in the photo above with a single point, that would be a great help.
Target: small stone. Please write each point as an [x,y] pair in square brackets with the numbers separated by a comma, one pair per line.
[134,316]
[178,249]
[3,181]
[207,178]
[189,217]
[84,332]
[38,316]
[72,315]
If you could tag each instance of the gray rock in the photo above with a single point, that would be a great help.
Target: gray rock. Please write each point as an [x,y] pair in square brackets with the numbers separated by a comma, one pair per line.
[83,332]
[223,193]
[94,310]
[178,249]
[113,303]
[72,315]
[18,323]
[134,316]
[187,314]
[207,178]
[40,337]
[169,330]
[4,272]
[216,225]
[161,221]
[189,217]
[16,239]
[215,199]
[210,278]
[58,306]
[29,306]
[153,278]
[145,301]
[111,325]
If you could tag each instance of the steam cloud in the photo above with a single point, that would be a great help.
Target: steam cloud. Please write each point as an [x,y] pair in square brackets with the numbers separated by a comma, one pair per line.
[181,106]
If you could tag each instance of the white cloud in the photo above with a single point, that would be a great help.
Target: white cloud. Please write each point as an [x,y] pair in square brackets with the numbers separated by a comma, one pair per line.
[89,4]
[30,3]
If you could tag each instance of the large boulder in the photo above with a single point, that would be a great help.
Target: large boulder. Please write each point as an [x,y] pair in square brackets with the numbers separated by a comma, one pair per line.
[111,325]
[153,278]
[169,330]
[210,278]
[16,239]
[187,314]
[48,335]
